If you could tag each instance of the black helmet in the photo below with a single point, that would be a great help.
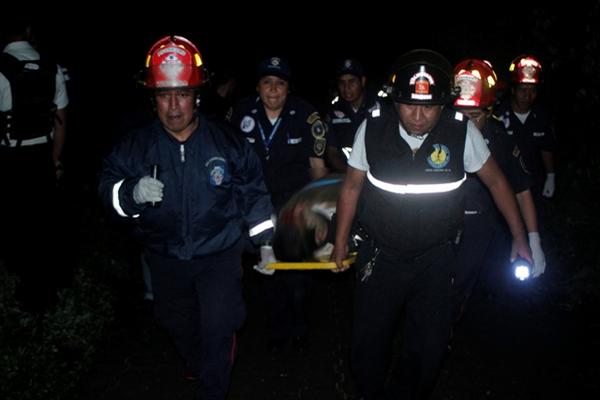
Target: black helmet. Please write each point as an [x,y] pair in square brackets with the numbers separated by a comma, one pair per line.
[421,76]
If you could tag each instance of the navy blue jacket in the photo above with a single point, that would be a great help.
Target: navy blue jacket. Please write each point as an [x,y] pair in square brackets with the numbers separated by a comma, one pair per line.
[214,189]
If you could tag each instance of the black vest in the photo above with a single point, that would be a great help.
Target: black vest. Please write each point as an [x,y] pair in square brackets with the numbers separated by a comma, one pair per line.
[412,223]
[32,85]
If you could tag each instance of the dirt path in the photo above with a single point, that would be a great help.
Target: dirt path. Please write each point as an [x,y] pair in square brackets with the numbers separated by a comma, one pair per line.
[515,342]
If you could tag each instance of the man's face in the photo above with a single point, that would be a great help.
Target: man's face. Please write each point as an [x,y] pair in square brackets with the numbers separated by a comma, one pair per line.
[418,119]
[273,92]
[350,88]
[476,115]
[175,109]
[523,96]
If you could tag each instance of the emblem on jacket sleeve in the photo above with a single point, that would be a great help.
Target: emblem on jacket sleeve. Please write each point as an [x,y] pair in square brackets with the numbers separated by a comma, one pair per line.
[439,157]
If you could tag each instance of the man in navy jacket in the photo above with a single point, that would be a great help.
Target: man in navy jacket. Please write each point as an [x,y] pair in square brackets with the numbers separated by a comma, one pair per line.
[192,188]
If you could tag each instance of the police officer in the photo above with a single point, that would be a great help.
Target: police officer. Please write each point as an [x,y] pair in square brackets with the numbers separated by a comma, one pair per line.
[33,102]
[408,165]
[530,123]
[190,216]
[478,83]
[354,101]
[288,135]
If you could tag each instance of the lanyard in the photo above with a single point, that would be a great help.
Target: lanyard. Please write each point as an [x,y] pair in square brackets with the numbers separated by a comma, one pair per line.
[267,141]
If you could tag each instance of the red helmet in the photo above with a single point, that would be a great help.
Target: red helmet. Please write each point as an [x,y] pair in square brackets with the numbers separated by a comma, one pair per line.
[525,69]
[174,62]
[477,82]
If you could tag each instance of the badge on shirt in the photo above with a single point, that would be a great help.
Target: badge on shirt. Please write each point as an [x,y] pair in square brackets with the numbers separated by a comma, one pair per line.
[339,114]
[439,157]
[216,167]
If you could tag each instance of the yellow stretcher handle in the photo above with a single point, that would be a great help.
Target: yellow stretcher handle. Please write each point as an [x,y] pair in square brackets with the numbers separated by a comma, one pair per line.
[311,264]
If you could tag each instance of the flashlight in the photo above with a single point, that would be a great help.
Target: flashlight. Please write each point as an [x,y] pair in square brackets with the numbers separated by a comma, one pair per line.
[521,268]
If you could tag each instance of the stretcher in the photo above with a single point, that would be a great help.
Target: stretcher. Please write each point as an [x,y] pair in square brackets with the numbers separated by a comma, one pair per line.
[310,264]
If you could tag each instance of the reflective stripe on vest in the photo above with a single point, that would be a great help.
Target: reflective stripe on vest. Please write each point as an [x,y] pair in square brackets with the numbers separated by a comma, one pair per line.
[416,189]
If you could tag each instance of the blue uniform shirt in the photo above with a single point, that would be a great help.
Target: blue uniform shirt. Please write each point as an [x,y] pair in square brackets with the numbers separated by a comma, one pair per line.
[284,146]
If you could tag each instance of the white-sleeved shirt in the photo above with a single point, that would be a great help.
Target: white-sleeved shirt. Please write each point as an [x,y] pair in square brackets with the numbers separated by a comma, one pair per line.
[22,50]
[475,155]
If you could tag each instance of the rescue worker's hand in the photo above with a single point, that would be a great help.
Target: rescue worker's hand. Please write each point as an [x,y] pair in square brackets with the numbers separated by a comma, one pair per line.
[539,260]
[549,185]
[338,255]
[520,248]
[267,256]
[147,190]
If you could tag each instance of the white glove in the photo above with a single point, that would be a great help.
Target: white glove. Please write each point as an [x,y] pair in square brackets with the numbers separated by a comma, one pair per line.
[549,186]
[267,256]
[147,190]
[539,260]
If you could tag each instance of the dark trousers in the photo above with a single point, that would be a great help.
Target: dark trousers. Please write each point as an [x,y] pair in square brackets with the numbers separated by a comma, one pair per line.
[419,288]
[473,252]
[286,295]
[30,233]
[199,302]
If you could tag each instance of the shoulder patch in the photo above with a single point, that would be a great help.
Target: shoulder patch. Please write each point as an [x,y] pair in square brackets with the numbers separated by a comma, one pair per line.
[247,124]
[313,117]
[319,147]
[318,129]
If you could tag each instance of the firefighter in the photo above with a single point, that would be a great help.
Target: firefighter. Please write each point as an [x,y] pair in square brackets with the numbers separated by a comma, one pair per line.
[478,84]
[191,187]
